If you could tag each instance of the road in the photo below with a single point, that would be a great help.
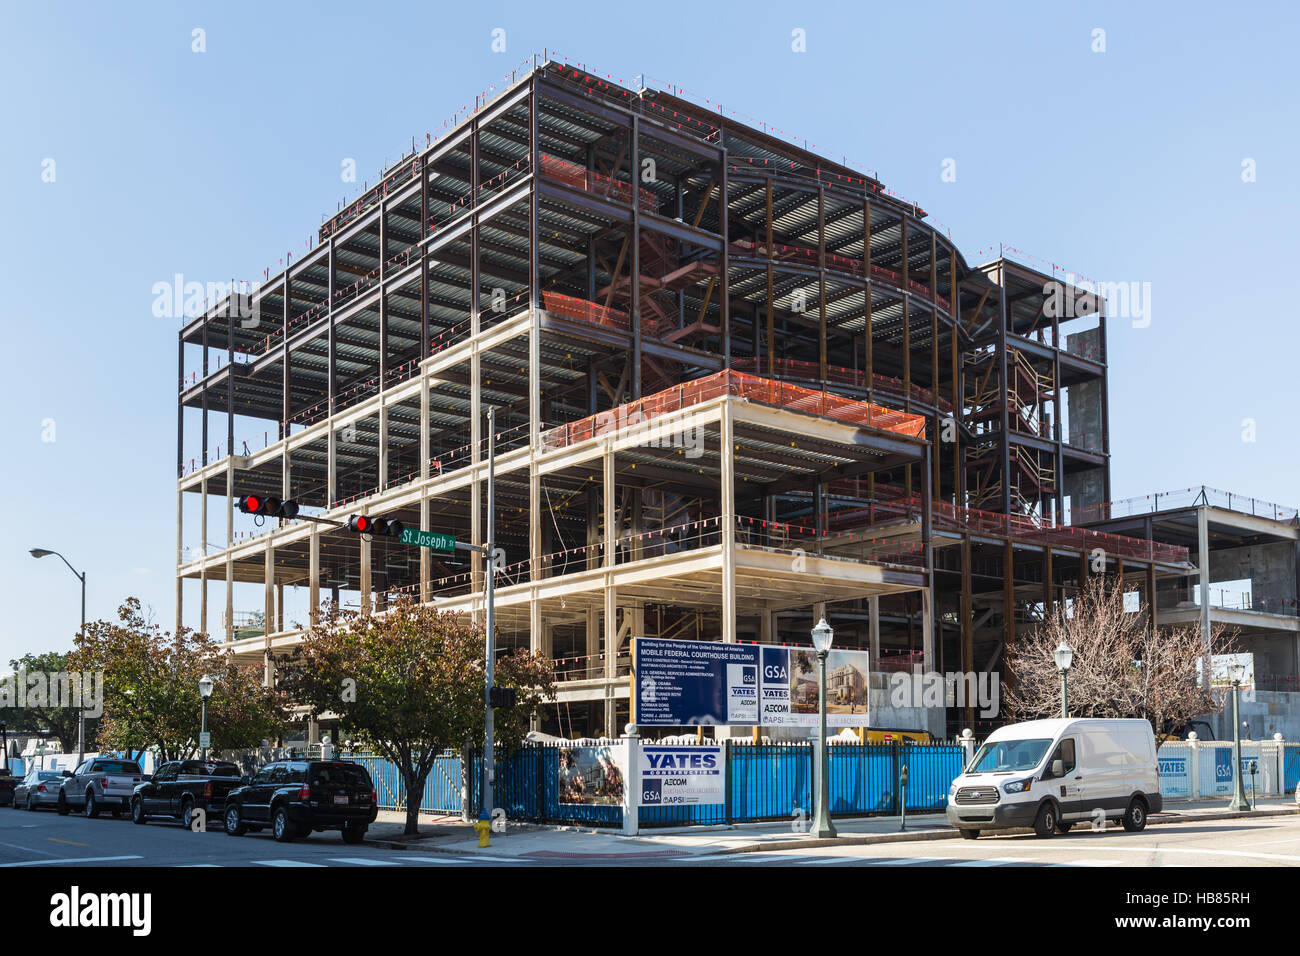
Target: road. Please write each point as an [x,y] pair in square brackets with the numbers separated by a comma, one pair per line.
[45,839]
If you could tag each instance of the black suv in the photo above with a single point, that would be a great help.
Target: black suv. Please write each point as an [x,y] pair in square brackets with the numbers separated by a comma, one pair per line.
[295,797]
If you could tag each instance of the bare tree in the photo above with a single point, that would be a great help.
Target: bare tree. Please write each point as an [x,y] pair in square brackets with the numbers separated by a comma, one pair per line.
[1122,666]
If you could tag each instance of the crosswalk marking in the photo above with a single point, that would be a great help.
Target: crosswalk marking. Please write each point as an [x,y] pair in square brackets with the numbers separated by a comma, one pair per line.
[995,861]
[1090,863]
[910,860]
[285,863]
[361,861]
[83,859]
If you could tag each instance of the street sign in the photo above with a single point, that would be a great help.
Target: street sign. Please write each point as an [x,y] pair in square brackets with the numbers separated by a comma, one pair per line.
[429,539]
[205,740]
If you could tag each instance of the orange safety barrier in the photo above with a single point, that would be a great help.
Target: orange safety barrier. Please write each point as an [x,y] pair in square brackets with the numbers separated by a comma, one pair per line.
[739,385]
[842,376]
[574,308]
[587,181]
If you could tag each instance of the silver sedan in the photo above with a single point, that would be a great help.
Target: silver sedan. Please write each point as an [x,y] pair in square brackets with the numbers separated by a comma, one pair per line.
[40,788]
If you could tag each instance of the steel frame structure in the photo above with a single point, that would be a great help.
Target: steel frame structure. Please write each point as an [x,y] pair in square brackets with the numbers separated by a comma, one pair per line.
[573,253]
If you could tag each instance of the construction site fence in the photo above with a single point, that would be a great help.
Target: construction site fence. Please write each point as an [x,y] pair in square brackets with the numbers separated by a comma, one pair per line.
[1196,496]
[811,371]
[763,782]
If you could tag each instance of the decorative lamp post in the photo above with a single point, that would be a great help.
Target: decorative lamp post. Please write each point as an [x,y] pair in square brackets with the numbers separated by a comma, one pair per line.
[822,635]
[1236,672]
[1064,658]
[205,691]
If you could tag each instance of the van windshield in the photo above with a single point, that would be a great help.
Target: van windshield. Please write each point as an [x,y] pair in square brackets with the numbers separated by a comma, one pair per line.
[1009,756]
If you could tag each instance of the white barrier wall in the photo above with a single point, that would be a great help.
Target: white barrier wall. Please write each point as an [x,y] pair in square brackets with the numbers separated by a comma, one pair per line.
[1202,770]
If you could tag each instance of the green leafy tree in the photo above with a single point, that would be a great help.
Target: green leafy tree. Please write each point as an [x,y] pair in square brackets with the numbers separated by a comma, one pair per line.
[408,683]
[151,689]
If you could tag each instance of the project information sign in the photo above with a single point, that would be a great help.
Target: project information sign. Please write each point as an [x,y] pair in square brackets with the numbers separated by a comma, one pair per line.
[694,683]
[675,776]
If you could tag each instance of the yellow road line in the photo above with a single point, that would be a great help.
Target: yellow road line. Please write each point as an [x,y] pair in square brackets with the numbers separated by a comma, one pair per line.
[68,842]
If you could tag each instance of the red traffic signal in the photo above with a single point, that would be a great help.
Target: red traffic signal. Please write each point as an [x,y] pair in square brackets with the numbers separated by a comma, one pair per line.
[268,506]
[364,524]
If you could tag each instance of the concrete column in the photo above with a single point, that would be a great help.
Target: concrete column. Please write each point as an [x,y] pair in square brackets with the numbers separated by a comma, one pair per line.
[1203,564]
[313,574]
[927,630]
[230,541]
[873,617]
[728,521]
[593,641]
[383,443]
[366,583]
[268,612]
[426,559]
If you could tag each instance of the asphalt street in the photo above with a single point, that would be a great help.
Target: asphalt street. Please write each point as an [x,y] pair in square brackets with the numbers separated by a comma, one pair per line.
[43,838]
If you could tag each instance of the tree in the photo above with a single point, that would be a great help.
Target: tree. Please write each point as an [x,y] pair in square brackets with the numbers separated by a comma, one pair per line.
[61,722]
[1122,666]
[408,683]
[151,688]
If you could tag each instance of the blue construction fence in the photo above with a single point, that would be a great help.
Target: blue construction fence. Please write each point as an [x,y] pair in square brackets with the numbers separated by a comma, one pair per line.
[764,782]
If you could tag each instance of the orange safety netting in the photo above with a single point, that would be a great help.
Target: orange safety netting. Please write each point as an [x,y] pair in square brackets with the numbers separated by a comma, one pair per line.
[843,376]
[739,385]
[574,308]
[579,178]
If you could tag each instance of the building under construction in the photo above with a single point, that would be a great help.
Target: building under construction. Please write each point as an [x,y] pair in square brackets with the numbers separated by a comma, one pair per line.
[737,386]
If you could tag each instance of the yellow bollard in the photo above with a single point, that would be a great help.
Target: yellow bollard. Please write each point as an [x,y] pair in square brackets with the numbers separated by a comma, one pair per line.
[484,827]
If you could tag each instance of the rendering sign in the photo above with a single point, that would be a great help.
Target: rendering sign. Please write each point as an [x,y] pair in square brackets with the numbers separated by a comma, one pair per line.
[682,775]
[590,776]
[695,683]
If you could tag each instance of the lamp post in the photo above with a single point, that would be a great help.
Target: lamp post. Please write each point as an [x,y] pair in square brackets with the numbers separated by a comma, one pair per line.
[81,575]
[205,691]
[822,635]
[1236,671]
[1064,658]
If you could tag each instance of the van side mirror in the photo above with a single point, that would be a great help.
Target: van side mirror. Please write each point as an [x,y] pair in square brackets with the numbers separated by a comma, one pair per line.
[1058,767]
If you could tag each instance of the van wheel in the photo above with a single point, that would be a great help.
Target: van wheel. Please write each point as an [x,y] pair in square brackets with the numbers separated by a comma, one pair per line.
[1063,826]
[1045,822]
[234,826]
[1135,817]
[970,834]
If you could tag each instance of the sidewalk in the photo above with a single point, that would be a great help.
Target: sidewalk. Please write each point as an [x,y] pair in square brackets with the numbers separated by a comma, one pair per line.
[448,835]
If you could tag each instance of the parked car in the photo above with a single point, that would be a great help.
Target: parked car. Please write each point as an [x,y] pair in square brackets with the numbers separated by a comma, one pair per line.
[296,797]
[40,788]
[180,787]
[1051,774]
[99,783]
[7,785]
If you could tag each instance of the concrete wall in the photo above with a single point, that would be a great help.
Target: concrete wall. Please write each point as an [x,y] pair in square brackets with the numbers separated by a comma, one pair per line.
[1271,568]
[1275,651]
[1268,712]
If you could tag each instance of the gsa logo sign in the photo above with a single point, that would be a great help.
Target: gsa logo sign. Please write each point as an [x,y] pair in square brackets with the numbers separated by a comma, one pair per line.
[1223,765]
[749,676]
[652,791]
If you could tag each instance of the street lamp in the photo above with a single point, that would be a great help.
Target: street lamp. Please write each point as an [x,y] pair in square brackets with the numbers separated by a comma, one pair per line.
[1064,658]
[205,691]
[822,635]
[1236,672]
[81,718]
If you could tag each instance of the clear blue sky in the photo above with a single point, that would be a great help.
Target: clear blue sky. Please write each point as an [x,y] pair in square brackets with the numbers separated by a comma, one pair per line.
[1122,166]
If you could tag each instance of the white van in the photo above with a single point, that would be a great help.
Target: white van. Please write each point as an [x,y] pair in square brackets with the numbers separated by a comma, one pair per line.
[1050,774]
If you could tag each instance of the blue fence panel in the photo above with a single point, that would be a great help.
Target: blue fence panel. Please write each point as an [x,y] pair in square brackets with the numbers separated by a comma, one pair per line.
[930,772]
[441,788]
[861,779]
[770,782]
[1291,767]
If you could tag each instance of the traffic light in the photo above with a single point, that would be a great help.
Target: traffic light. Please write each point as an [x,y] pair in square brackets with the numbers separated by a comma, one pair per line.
[268,506]
[501,698]
[364,524]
